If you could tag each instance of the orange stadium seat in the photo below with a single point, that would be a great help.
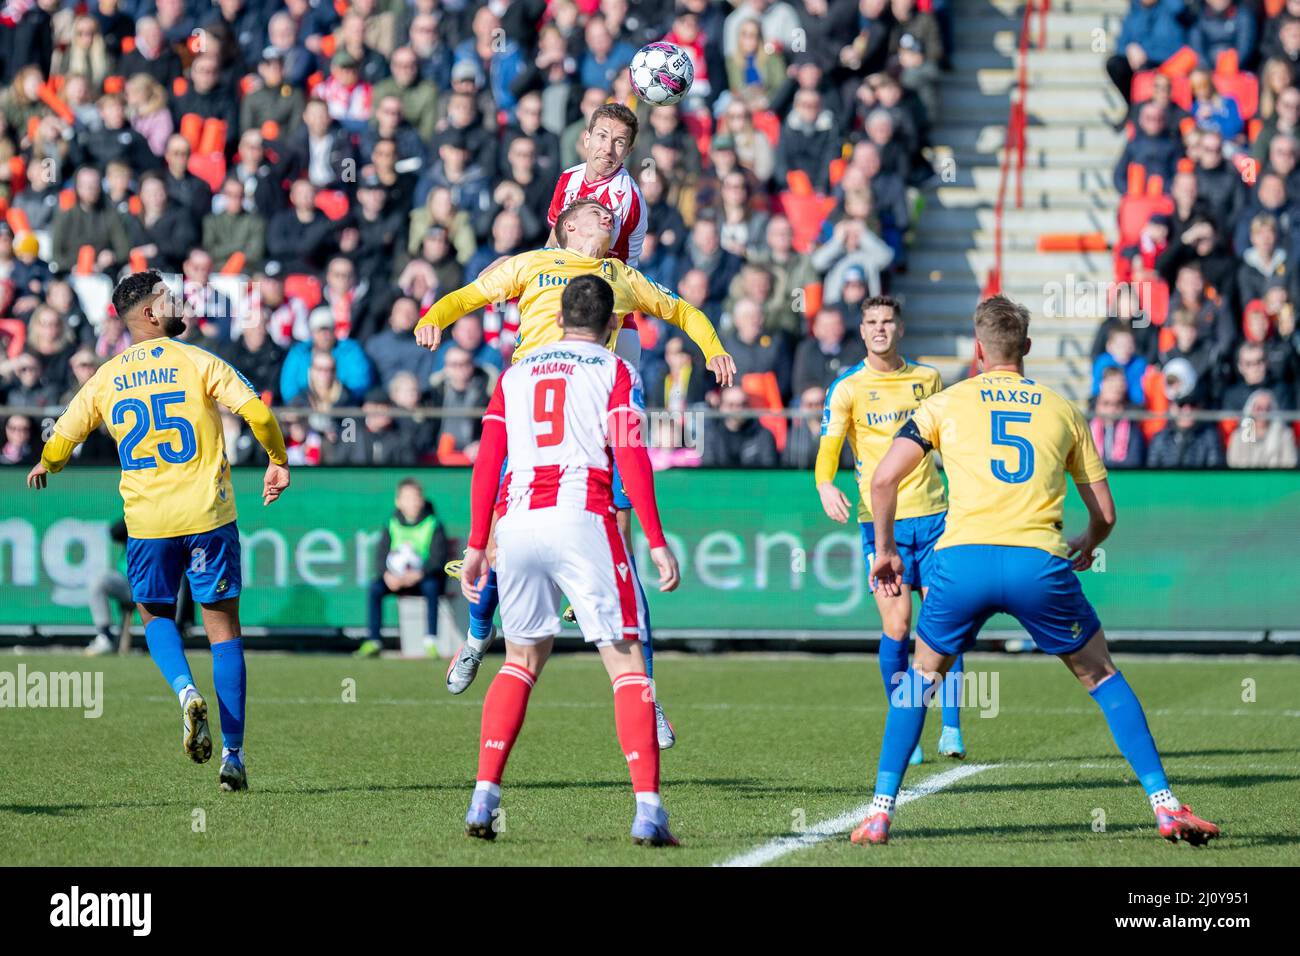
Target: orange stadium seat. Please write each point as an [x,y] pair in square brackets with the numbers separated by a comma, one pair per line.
[763,392]
[806,215]
[1136,211]
[448,456]
[213,137]
[333,203]
[1253,129]
[1242,87]
[234,265]
[18,220]
[67,199]
[192,128]
[209,167]
[1153,387]
[180,86]
[270,130]
[114,84]
[769,124]
[1144,83]
[128,44]
[812,301]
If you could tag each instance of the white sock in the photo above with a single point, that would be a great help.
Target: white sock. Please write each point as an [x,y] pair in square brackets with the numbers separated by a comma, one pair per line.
[488,788]
[478,645]
[237,751]
[1164,798]
[185,693]
[650,800]
[882,804]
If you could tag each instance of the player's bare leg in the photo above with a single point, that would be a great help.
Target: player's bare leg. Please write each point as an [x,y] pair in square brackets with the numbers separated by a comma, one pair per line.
[504,709]
[466,661]
[168,652]
[230,680]
[903,726]
[1093,666]
[664,731]
[634,716]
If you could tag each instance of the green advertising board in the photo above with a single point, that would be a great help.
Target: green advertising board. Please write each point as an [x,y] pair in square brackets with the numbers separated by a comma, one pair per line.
[1191,551]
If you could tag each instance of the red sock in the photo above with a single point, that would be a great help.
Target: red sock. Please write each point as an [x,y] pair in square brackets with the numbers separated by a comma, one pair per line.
[503,714]
[634,716]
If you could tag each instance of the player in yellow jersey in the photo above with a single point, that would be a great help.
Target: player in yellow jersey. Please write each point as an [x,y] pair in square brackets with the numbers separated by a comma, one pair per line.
[1007,444]
[538,279]
[866,405]
[159,400]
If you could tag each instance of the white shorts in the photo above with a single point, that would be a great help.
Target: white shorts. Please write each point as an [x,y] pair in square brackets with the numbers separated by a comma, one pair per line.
[551,553]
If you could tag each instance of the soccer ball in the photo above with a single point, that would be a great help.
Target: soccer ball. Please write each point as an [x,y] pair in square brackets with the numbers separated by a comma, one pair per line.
[404,559]
[661,73]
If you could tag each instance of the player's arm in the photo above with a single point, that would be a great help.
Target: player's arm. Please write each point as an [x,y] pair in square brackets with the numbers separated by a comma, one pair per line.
[484,485]
[74,426]
[656,300]
[1089,474]
[625,423]
[454,305]
[836,416]
[224,383]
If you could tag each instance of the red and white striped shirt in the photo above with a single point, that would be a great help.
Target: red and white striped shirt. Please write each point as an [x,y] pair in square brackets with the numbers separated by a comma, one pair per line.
[564,414]
[619,194]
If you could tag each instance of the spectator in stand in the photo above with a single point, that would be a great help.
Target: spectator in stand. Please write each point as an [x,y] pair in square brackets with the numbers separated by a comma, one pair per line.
[1223,26]
[414,429]
[829,353]
[1119,440]
[1150,148]
[1200,245]
[1276,331]
[680,384]
[1162,96]
[1213,111]
[389,122]
[853,243]
[1262,262]
[1270,200]
[1128,313]
[756,351]
[1121,354]
[1191,346]
[467,334]
[113,338]
[507,238]
[256,356]
[373,235]
[754,151]
[1218,184]
[809,141]
[418,96]
[460,386]
[209,97]
[161,232]
[737,441]
[377,439]
[113,138]
[301,238]
[1253,374]
[235,229]
[604,57]
[25,386]
[704,252]
[465,180]
[755,283]
[791,271]
[412,550]
[1285,120]
[395,349]
[853,292]
[146,105]
[320,149]
[185,190]
[273,99]
[351,367]
[803,436]
[1260,441]
[90,222]
[1152,32]
[1185,442]
[152,56]
[755,71]
[19,446]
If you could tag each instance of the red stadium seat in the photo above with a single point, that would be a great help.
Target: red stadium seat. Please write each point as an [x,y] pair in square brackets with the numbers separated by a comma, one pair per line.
[1136,211]
[18,220]
[1153,387]
[209,167]
[806,215]
[128,44]
[1144,82]
[67,199]
[333,203]
[763,392]
[16,330]
[192,128]
[305,288]
[769,124]
[448,456]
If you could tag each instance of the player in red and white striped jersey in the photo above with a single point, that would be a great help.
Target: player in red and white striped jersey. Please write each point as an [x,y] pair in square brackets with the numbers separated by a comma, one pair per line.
[564,415]
[608,140]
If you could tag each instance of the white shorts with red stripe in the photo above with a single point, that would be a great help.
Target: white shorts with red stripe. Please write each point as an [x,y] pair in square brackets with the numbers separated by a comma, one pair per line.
[547,554]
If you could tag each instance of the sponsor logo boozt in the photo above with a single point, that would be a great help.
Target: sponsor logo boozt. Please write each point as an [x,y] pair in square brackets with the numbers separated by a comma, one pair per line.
[884,418]
[546,281]
[76,909]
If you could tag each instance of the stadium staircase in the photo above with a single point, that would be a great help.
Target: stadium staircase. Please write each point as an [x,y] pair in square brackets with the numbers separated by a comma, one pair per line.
[1071,147]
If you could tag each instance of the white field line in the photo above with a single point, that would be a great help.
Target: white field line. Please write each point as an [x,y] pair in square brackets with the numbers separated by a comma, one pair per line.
[838,709]
[823,831]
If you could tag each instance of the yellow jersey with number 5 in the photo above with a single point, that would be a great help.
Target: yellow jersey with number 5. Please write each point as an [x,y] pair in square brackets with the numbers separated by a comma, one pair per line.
[159,401]
[1007,444]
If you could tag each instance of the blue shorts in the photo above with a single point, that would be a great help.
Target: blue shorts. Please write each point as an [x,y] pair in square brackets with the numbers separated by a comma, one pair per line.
[972,582]
[915,538]
[211,560]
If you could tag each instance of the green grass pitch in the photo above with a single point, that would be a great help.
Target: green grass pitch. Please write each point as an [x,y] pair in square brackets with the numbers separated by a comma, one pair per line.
[767,743]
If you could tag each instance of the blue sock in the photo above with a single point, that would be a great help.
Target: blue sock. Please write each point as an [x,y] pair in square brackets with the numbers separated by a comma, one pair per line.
[482,610]
[952,693]
[892,658]
[1128,725]
[647,645]
[903,728]
[230,679]
[164,640]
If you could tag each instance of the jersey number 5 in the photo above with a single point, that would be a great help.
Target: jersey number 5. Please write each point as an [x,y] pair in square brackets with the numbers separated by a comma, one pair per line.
[140,427]
[548,409]
[1025,466]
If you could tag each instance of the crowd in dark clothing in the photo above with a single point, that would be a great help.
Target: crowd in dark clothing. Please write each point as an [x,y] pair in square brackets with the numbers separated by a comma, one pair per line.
[1204,318]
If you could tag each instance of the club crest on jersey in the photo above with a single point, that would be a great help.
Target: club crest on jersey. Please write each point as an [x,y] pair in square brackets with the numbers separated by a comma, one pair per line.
[156,351]
[873,395]
[607,271]
[918,391]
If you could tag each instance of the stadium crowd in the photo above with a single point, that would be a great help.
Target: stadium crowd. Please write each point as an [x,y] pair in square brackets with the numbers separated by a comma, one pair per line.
[1204,311]
[319,173]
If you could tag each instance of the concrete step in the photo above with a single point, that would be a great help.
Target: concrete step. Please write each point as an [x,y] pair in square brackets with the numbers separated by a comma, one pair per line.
[1095,104]
[1090,265]
[1046,344]
[1063,137]
[1047,180]
[1006,42]
[988,58]
[949,303]
[1031,221]
[1093,160]
[965,8]
[1004,79]
[1100,197]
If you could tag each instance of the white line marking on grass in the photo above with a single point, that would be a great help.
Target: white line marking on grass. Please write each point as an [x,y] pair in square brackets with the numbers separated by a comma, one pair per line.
[823,831]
